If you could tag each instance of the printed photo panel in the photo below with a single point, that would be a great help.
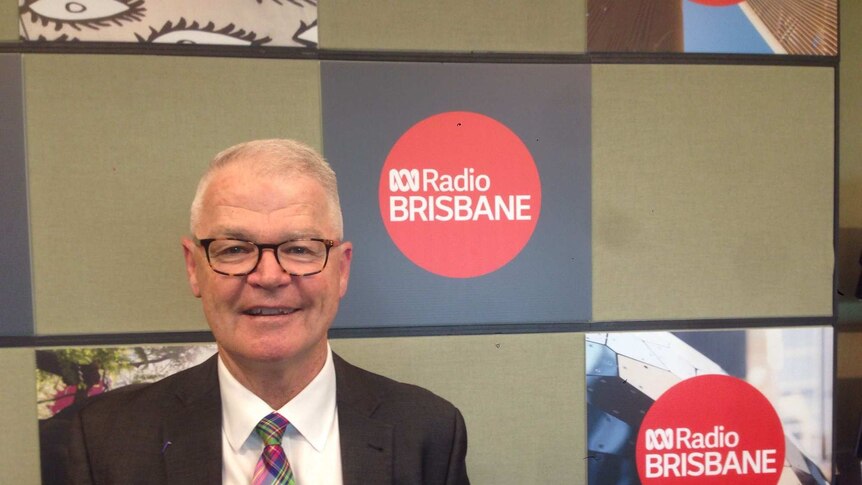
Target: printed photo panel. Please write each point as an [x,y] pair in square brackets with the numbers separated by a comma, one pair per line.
[750,406]
[219,22]
[780,27]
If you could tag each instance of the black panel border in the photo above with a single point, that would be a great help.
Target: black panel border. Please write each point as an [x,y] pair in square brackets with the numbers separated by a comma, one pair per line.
[103,339]
[299,53]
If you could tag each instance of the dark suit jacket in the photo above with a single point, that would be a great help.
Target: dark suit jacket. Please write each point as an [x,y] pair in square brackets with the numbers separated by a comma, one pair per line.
[169,432]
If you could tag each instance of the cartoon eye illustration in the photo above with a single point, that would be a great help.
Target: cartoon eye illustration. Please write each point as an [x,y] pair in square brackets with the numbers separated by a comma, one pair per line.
[62,38]
[83,13]
[313,3]
[306,34]
[185,33]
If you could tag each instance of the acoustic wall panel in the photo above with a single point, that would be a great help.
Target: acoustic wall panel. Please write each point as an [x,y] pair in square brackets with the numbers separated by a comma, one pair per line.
[16,303]
[19,462]
[115,152]
[713,191]
[8,21]
[453,25]
[521,396]
[847,364]
[850,150]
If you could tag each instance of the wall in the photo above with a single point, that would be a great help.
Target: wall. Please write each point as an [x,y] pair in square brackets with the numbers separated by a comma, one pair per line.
[712,199]
[848,399]
[850,148]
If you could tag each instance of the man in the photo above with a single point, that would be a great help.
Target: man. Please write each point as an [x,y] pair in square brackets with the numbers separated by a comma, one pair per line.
[268,261]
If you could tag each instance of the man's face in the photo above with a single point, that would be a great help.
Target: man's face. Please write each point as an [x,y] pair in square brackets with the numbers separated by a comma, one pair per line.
[296,311]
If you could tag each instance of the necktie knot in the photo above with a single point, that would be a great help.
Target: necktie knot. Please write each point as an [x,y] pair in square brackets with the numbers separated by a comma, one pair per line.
[272,467]
[271,429]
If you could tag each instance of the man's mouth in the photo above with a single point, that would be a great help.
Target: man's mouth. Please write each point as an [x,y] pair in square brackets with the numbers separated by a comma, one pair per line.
[267,311]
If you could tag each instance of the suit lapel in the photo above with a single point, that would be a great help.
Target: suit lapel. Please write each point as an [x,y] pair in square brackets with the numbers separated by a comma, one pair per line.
[192,435]
[366,443]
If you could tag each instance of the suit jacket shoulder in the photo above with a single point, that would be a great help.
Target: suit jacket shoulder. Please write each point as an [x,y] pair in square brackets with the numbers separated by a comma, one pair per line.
[393,432]
[147,433]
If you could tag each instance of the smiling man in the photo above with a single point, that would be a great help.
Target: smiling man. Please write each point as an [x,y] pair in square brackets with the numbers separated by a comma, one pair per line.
[267,259]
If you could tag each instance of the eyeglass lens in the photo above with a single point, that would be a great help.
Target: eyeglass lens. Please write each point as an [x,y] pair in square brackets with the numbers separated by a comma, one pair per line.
[237,257]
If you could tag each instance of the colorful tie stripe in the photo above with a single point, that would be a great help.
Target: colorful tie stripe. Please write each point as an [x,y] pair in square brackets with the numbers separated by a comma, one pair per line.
[272,467]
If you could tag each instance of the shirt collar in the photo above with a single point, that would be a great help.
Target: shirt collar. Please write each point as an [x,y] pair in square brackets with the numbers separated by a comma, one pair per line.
[311,412]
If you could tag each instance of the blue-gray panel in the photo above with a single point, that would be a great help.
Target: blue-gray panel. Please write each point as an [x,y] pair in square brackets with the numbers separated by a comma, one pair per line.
[16,301]
[367,106]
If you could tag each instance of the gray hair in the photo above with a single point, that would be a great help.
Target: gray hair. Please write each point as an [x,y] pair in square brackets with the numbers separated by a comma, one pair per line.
[274,157]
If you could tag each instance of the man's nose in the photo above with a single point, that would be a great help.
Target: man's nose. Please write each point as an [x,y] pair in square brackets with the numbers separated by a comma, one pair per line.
[269,272]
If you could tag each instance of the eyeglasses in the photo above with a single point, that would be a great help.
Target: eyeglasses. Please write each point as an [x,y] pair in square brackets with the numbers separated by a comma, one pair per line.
[298,257]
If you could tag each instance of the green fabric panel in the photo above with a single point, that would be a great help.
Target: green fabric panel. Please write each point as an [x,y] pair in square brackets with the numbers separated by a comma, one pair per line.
[558,26]
[19,462]
[848,363]
[116,145]
[712,191]
[8,20]
[850,148]
[522,397]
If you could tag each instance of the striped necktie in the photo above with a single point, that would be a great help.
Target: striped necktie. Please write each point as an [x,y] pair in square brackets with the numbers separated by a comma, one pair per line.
[272,467]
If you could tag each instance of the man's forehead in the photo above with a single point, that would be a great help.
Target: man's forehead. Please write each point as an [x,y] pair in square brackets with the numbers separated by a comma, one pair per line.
[238,202]
[239,231]
[256,166]
[288,222]
[250,178]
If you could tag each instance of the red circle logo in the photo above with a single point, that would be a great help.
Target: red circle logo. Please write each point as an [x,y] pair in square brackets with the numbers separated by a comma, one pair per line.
[711,429]
[460,194]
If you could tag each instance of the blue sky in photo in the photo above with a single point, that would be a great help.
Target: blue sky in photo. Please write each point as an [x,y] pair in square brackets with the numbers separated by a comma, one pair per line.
[720,30]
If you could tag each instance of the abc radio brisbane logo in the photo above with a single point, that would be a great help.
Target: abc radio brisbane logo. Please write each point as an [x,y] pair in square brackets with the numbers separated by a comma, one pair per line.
[460,194]
[711,429]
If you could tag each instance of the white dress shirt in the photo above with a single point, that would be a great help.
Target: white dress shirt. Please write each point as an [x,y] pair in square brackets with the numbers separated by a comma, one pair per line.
[311,440]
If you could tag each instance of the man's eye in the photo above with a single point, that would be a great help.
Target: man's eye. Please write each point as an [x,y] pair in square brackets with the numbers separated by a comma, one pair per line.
[302,249]
[232,250]
[297,250]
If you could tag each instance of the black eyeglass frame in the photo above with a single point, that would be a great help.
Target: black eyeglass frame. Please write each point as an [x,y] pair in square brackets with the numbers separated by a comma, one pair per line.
[328,243]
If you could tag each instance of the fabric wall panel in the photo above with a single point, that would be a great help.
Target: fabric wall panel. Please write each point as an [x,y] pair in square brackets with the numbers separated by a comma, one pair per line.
[116,145]
[8,21]
[522,397]
[19,462]
[16,304]
[850,149]
[453,25]
[848,364]
[713,191]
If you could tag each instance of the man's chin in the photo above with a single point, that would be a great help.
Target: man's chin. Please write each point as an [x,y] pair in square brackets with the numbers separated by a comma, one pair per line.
[270,354]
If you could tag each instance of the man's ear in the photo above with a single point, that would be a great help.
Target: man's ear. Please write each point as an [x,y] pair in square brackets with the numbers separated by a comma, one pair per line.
[344,266]
[189,249]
